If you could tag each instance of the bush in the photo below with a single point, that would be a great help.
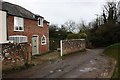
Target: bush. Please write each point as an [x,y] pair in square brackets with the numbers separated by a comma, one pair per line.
[73,36]
[110,32]
[83,35]
[97,41]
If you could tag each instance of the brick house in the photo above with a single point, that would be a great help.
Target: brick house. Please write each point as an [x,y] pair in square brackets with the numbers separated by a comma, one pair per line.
[18,25]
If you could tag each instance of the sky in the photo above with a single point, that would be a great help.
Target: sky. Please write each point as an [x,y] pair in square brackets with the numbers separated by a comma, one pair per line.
[59,11]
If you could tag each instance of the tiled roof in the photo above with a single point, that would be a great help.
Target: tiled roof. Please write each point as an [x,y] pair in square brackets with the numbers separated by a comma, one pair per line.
[16,10]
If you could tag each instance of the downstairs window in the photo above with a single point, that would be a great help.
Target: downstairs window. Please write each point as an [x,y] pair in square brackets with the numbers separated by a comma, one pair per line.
[18,39]
[43,39]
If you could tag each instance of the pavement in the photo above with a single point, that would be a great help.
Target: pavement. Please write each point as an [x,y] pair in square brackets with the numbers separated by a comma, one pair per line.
[89,64]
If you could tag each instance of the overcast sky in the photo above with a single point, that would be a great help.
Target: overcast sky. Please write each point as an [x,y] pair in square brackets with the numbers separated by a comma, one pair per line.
[59,11]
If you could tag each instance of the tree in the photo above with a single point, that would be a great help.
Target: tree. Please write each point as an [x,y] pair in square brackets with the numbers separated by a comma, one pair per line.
[104,17]
[106,33]
[70,26]
[118,13]
[111,11]
[52,30]
[56,32]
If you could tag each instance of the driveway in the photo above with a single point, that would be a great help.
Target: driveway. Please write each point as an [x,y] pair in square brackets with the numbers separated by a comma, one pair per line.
[89,64]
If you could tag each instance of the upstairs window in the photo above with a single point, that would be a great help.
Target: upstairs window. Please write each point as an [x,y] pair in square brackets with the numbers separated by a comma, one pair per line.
[18,24]
[43,39]
[40,22]
[18,39]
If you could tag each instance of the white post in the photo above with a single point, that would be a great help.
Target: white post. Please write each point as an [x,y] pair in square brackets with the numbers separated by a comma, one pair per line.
[61,48]
[3,30]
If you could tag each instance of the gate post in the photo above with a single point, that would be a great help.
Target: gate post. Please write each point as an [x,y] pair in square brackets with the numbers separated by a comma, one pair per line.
[61,48]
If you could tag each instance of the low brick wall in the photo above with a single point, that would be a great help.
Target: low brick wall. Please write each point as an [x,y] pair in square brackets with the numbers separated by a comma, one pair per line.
[13,55]
[69,46]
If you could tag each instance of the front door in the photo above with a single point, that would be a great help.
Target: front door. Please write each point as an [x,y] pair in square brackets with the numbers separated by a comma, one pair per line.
[35,45]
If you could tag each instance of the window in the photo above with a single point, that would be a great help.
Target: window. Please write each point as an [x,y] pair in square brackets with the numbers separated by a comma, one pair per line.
[18,24]
[18,39]
[43,40]
[40,22]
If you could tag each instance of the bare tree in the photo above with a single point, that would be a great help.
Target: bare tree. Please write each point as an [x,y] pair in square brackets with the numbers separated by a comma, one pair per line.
[111,11]
[70,25]
[118,12]
[104,17]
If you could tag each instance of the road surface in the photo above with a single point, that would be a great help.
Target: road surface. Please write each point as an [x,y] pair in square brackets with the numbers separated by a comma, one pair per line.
[89,64]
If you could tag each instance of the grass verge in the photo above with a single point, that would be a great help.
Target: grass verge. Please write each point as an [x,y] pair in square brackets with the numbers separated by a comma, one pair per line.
[43,53]
[38,55]
[17,68]
[113,51]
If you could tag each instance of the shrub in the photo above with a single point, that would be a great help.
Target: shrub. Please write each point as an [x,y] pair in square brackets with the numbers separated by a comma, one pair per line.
[73,36]
[83,35]
[97,41]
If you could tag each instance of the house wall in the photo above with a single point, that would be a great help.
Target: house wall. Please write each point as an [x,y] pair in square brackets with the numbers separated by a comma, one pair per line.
[31,28]
[69,46]
[3,33]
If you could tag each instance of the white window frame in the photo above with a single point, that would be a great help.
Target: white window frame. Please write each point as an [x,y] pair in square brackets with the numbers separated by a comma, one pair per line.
[40,20]
[45,40]
[19,40]
[16,21]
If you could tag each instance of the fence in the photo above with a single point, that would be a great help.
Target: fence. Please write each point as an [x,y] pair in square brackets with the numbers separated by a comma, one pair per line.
[69,46]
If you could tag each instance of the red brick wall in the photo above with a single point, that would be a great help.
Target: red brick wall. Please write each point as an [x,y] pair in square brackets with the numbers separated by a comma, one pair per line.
[31,28]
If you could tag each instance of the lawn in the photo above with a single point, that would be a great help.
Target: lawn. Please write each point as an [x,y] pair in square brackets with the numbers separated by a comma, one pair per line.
[113,51]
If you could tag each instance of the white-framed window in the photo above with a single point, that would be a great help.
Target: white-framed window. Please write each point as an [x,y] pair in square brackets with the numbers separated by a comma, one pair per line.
[40,22]
[18,24]
[18,39]
[43,40]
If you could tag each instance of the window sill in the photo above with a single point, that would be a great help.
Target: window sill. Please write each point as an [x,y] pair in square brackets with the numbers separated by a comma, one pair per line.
[43,44]
[19,30]
[40,25]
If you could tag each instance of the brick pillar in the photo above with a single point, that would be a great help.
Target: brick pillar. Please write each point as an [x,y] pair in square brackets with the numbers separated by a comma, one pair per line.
[29,55]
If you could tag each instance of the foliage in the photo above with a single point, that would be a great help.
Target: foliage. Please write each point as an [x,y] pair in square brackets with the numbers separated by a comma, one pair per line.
[113,51]
[109,31]
[83,35]
[57,33]
[97,41]
[73,36]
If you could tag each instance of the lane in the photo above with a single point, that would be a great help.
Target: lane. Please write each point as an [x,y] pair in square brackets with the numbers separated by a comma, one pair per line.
[75,63]
[72,66]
